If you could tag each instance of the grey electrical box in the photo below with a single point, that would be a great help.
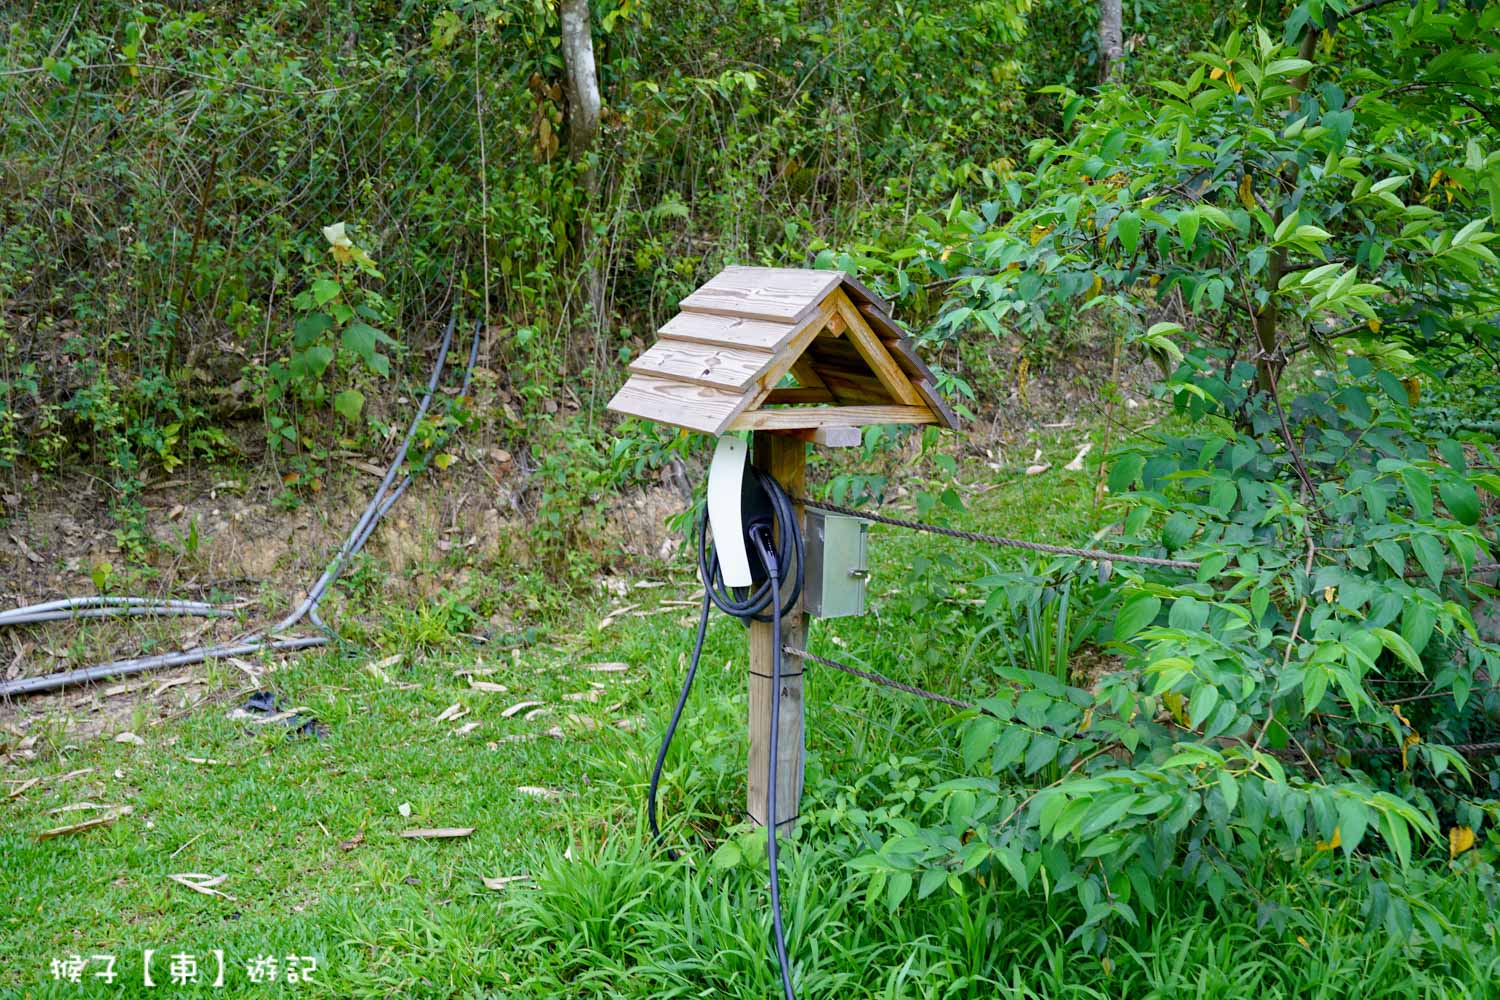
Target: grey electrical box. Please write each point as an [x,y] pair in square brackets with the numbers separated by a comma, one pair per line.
[836,567]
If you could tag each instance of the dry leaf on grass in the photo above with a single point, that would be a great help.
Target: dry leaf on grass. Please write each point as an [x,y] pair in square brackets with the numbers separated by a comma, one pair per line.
[249,669]
[88,824]
[540,793]
[582,722]
[453,711]
[518,707]
[379,668]
[535,713]
[487,686]
[592,694]
[20,790]
[1038,469]
[606,668]
[404,809]
[202,760]
[512,738]
[198,882]
[467,728]
[79,807]
[266,720]
[438,833]
[504,880]
[174,682]
[1077,464]
[609,619]
[352,842]
[130,738]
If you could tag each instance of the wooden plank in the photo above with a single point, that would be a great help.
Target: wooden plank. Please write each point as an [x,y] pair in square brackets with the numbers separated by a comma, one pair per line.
[728,331]
[899,344]
[874,352]
[840,353]
[828,437]
[934,399]
[806,376]
[799,394]
[792,352]
[880,320]
[830,416]
[862,296]
[785,458]
[777,294]
[681,404]
[703,364]
[850,389]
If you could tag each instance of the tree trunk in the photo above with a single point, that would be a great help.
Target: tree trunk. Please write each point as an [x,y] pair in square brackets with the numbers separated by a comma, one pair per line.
[1111,40]
[581,86]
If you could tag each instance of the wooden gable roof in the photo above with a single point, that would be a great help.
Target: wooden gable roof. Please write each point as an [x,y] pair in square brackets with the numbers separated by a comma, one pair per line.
[721,361]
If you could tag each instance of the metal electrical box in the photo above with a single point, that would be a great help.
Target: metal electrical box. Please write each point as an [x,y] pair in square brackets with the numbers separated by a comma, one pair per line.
[836,567]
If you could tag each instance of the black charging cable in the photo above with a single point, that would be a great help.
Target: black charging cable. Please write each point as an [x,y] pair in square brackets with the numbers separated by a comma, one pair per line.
[778,542]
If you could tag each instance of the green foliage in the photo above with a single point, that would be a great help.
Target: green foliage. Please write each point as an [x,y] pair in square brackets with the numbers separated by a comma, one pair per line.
[337,321]
[1273,200]
[1266,213]
[166,169]
[1239,730]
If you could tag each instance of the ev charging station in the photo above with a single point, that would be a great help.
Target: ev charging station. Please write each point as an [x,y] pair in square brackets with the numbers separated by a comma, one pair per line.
[794,357]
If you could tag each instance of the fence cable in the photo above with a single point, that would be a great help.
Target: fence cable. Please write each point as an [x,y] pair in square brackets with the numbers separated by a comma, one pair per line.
[1015,543]
[1466,749]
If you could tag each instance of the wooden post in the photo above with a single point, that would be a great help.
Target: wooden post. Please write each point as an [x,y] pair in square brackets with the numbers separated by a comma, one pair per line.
[784,457]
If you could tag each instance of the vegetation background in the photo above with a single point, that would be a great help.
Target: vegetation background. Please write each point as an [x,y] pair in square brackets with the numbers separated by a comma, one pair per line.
[1243,253]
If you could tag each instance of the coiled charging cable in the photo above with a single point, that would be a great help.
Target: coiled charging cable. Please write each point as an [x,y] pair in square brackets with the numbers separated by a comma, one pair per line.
[778,542]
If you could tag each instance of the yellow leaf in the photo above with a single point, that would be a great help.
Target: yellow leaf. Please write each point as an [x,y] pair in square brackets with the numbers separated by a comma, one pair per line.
[1412,739]
[1247,192]
[1303,942]
[1437,175]
[1234,84]
[1374,325]
[1096,287]
[1329,593]
[1039,233]
[1460,839]
[1413,390]
[443,461]
[1215,73]
[1331,844]
[1174,703]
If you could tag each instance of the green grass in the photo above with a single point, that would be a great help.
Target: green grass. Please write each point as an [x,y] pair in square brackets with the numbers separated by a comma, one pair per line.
[606,916]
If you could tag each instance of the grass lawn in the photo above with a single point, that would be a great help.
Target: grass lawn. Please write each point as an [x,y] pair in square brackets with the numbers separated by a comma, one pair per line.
[307,832]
